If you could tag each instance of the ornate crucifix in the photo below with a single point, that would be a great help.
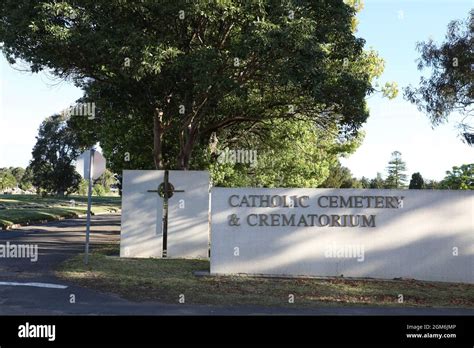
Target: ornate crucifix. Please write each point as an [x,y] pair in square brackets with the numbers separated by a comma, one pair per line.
[165,190]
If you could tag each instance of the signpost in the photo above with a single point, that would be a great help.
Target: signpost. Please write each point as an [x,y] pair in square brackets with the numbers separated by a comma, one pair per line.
[90,165]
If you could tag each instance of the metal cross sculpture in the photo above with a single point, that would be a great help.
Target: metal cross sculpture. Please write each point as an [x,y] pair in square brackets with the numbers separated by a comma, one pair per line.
[165,190]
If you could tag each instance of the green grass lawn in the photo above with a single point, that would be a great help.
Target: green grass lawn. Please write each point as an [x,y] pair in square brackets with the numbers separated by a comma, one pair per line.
[16,209]
[165,280]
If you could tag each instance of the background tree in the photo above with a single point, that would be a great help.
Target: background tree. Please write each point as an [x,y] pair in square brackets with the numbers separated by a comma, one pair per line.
[396,177]
[416,181]
[432,185]
[364,182]
[459,178]
[107,180]
[99,190]
[340,177]
[26,182]
[55,149]
[104,182]
[355,183]
[17,172]
[166,75]
[7,179]
[450,89]
[378,182]
[82,188]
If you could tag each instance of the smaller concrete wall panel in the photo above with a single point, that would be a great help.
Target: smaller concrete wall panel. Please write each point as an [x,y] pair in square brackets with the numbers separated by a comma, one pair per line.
[142,214]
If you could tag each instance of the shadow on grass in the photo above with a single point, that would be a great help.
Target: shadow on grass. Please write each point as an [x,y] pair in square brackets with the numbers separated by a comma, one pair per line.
[165,280]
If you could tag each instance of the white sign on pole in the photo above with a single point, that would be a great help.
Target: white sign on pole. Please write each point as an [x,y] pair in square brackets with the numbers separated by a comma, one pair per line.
[83,165]
[90,165]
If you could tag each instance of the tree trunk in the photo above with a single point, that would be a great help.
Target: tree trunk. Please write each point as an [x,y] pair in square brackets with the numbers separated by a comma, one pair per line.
[158,138]
[185,151]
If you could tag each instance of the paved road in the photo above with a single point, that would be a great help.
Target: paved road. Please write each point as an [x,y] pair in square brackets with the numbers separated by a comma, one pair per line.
[60,240]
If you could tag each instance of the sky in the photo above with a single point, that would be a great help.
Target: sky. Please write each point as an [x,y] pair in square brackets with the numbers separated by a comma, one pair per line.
[392,27]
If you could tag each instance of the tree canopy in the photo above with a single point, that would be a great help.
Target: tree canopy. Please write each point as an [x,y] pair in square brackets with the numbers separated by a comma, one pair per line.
[279,154]
[164,76]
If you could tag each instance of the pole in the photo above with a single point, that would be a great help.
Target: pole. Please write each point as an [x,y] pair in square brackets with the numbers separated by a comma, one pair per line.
[89,204]
[165,216]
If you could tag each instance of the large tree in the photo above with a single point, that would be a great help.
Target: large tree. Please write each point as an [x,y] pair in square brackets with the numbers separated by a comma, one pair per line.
[450,89]
[166,75]
[396,168]
[55,149]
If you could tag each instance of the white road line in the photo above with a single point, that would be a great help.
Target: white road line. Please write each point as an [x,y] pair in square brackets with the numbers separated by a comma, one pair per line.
[37,285]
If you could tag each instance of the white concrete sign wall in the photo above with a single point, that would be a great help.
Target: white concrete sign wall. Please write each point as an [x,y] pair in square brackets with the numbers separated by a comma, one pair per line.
[421,234]
[142,214]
